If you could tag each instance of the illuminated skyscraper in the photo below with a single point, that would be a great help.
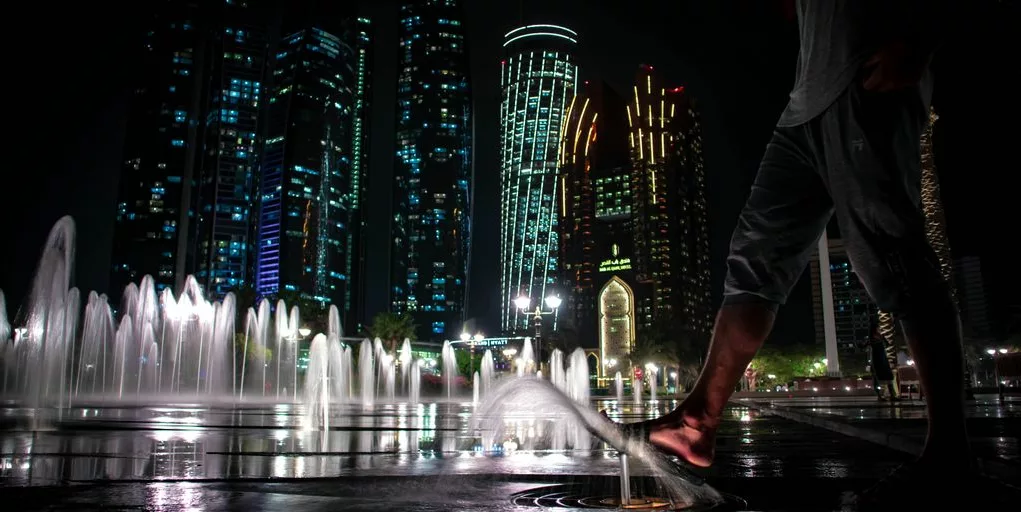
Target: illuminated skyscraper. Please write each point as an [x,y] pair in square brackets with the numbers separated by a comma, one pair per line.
[669,206]
[431,232]
[538,80]
[314,159]
[635,234]
[230,158]
[183,203]
[594,206]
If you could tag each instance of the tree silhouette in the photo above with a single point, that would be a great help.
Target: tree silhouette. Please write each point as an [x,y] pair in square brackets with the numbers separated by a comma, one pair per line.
[392,329]
[565,340]
[667,343]
[312,314]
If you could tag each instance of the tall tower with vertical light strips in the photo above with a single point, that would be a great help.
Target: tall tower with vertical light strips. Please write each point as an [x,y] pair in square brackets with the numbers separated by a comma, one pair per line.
[538,79]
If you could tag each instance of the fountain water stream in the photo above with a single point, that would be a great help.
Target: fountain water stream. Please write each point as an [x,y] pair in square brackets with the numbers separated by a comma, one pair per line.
[164,347]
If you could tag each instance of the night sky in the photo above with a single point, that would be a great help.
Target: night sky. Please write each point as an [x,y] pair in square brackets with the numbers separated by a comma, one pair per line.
[69,78]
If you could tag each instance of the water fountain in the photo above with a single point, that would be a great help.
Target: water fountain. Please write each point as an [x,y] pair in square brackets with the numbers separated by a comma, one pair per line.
[618,383]
[449,368]
[475,388]
[557,375]
[404,360]
[163,347]
[366,371]
[514,399]
[487,371]
[652,386]
[414,390]
[526,361]
[636,390]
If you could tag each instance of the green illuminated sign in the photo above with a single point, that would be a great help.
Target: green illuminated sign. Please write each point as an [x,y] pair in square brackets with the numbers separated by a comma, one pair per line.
[615,264]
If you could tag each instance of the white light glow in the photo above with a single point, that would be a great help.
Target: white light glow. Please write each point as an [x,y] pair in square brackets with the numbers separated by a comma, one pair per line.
[519,29]
[540,34]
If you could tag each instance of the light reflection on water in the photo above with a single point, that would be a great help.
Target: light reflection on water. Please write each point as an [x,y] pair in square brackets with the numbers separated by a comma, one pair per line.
[188,442]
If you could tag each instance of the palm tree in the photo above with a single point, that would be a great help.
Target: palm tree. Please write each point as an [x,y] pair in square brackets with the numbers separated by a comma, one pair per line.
[313,314]
[564,339]
[392,329]
[668,343]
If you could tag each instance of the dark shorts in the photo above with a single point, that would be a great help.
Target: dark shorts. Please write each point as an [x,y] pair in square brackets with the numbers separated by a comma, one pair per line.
[859,160]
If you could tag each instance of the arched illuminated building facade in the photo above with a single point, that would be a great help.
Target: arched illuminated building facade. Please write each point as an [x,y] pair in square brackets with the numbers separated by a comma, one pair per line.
[538,80]
[633,214]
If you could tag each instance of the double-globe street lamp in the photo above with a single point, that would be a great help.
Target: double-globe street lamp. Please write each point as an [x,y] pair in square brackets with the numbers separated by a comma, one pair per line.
[524,303]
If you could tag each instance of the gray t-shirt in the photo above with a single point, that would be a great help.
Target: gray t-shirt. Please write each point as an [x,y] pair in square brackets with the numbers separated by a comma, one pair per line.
[837,37]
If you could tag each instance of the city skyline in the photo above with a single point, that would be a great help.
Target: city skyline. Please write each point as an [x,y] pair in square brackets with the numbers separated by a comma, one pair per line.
[737,118]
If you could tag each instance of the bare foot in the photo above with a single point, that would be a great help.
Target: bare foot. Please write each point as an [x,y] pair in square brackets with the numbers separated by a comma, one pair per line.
[681,436]
[696,445]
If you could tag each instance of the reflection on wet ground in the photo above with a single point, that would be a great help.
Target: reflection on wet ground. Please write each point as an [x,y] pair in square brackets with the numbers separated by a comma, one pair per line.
[423,457]
[994,426]
[386,440]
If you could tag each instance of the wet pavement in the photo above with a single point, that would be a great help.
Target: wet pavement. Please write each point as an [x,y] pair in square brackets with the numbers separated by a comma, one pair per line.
[994,426]
[387,457]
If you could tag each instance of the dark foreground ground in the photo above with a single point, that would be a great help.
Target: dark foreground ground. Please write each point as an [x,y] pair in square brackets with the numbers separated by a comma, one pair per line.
[418,458]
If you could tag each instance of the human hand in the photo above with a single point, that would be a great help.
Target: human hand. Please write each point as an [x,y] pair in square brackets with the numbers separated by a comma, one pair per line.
[894,67]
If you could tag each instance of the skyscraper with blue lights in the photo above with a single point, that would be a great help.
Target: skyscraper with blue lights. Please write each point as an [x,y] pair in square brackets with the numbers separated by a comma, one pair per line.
[538,80]
[314,161]
[183,199]
[229,160]
[431,231]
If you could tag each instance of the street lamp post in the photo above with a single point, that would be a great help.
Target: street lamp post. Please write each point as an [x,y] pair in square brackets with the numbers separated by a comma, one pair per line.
[471,341]
[524,303]
[996,371]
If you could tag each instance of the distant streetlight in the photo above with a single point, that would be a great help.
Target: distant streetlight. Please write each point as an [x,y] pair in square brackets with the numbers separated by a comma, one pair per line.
[304,332]
[523,302]
[471,341]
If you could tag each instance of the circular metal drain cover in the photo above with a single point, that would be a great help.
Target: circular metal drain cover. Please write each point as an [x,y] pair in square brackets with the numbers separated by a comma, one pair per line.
[580,496]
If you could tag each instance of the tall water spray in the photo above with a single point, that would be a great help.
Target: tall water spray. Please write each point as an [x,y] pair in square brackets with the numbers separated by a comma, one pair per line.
[488,372]
[636,389]
[618,382]
[652,386]
[366,373]
[526,361]
[317,389]
[405,363]
[557,375]
[475,388]
[5,325]
[167,345]
[414,390]
[449,367]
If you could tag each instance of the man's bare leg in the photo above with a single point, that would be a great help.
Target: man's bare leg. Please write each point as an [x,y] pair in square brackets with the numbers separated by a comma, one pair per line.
[689,431]
[936,345]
